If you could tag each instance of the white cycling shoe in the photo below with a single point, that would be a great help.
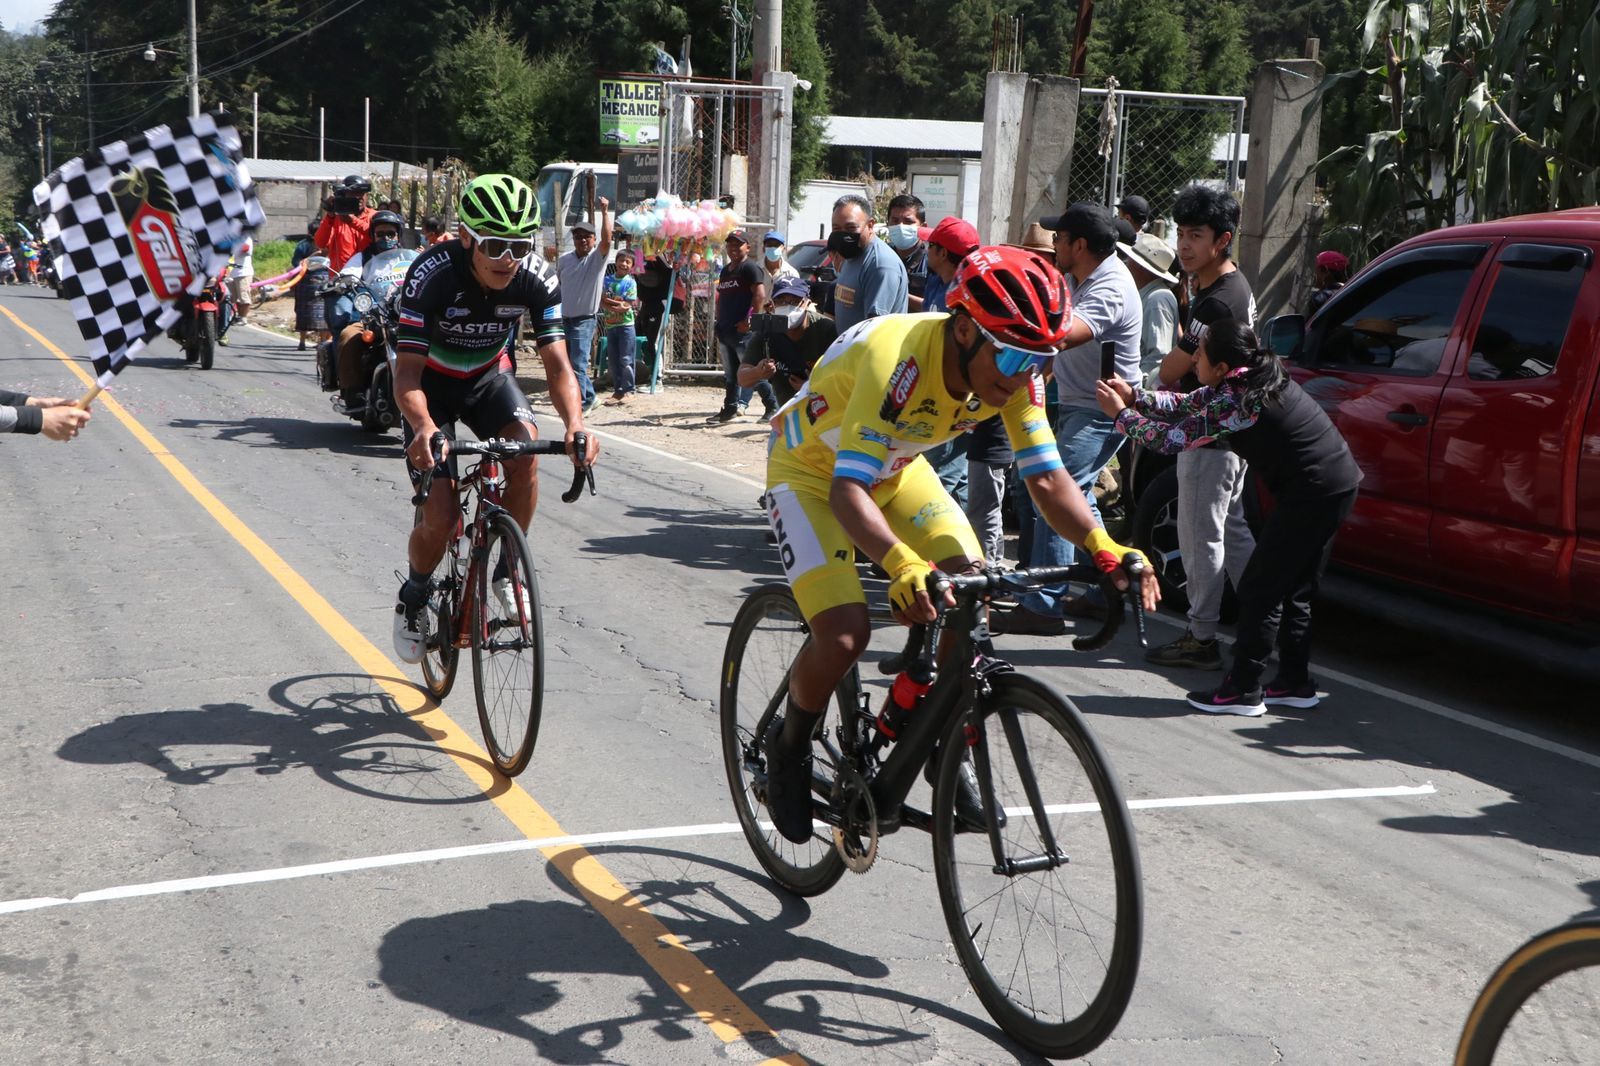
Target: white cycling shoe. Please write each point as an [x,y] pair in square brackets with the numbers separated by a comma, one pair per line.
[508,600]
[409,635]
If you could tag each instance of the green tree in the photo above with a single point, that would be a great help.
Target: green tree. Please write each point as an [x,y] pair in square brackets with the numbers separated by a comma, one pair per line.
[1482,113]
[803,56]
[496,94]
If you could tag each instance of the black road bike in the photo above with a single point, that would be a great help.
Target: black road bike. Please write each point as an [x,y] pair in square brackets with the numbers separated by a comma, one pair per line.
[1043,900]
[484,595]
[1540,1005]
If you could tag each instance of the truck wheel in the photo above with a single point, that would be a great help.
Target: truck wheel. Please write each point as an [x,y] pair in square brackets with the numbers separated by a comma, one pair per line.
[1155,532]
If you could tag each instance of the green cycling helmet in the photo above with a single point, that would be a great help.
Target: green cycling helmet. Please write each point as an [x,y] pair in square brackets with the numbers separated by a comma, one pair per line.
[498,205]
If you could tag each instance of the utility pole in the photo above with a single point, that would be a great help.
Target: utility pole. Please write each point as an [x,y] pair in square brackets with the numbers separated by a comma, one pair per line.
[1080,40]
[88,89]
[194,64]
[255,125]
[767,118]
[366,128]
[322,132]
[39,121]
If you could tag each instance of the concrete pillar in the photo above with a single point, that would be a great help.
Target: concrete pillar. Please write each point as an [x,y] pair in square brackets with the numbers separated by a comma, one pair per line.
[1275,249]
[1004,106]
[1050,123]
[766,122]
[1028,130]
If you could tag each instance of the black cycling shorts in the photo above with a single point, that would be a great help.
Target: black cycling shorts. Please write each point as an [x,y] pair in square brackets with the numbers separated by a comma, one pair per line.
[486,402]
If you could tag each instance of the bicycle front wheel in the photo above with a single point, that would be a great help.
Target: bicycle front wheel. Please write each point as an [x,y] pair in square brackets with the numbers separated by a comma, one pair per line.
[1539,1006]
[1048,924]
[507,646]
[768,633]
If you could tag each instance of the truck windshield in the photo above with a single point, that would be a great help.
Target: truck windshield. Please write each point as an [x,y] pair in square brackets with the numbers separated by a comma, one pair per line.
[549,178]
[578,203]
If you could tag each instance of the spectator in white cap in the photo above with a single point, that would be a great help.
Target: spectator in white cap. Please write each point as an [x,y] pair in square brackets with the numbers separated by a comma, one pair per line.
[1149,260]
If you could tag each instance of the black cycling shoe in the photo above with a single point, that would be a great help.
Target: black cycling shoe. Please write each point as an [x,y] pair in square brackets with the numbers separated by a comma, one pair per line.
[969,799]
[788,786]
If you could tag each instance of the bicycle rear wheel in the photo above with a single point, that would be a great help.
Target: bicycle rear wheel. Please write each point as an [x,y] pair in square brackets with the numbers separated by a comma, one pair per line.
[440,656]
[1539,1005]
[508,647]
[1051,950]
[767,634]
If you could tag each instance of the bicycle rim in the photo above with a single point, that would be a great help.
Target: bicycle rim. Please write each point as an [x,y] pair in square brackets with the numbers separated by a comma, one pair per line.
[1054,953]
[1539,1006]
[767,634]
[507,649]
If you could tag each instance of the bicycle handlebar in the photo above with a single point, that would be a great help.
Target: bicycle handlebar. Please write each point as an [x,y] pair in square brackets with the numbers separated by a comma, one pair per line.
[919,641]
[508,449]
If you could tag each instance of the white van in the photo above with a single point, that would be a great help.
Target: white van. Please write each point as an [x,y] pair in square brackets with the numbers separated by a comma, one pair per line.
[563,191]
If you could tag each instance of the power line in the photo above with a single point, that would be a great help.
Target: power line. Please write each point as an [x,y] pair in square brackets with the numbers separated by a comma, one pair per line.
[285,43]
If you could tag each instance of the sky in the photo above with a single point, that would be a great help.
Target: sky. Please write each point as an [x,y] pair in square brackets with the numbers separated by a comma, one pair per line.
[22,14]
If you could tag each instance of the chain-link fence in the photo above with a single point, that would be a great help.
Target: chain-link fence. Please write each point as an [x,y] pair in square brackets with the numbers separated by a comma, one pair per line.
[709,136]
[1153,144]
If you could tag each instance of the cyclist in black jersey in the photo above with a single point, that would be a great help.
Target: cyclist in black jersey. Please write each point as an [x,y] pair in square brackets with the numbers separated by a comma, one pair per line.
[458,311]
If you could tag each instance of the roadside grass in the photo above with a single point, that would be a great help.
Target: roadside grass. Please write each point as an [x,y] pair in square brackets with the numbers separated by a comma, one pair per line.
[272,258]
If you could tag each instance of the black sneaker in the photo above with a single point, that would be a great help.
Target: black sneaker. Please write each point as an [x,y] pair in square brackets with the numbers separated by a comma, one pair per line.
[788,786]
[727,414]
[767,411]
[1187,650]
[1225,699]
[1278,694]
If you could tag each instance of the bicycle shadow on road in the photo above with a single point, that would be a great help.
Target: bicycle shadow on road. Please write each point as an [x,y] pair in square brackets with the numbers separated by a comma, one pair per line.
[341,438]
[704,539]
[497,966]
[344,728]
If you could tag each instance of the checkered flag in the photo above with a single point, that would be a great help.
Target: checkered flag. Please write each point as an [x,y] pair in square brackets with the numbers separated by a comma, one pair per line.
[136,224]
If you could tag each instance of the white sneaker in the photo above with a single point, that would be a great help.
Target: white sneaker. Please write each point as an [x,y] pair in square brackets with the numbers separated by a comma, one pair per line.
[409,635]
[508,602]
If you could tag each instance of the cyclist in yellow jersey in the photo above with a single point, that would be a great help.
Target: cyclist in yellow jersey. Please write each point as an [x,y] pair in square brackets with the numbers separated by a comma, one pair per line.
[844,470]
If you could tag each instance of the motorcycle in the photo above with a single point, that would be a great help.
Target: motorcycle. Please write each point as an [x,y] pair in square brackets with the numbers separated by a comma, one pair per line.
[205,321]
[374,294]
[48,274]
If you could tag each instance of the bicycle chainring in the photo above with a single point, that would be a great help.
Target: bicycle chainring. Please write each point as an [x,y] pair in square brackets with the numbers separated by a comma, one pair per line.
[856,839]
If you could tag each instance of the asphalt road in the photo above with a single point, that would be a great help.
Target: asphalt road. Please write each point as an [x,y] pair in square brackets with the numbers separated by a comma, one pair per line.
[201,686]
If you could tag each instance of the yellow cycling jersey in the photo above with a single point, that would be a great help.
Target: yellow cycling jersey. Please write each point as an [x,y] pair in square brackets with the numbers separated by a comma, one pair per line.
[877,399]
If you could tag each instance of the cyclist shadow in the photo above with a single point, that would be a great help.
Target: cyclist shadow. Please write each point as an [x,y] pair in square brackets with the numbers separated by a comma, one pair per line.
[345,728]
[341,437]
[703,539]
[497,966]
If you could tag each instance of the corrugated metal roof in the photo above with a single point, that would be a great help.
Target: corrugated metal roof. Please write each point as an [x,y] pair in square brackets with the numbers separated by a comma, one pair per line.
[326,170]
[930,135]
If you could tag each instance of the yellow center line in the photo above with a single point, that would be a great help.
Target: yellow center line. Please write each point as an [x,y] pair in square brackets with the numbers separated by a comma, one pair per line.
[695,983]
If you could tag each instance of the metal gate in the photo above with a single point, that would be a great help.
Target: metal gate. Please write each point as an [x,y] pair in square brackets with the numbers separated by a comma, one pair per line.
[709,136]
[1153,144]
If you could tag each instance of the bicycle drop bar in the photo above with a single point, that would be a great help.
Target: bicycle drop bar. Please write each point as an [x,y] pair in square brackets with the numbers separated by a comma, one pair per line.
[509,449]
[920,638]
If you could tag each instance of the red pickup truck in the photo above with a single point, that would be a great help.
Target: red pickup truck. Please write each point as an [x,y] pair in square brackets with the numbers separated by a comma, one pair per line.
[1461,367]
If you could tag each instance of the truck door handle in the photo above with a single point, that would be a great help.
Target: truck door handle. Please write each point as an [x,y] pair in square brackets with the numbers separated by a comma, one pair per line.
[1407,416]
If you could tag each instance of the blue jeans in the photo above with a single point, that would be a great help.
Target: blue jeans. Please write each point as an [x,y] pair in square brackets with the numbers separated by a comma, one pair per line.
[732,345]
[580,346]
[949,461]
[1087,440]
[620,350]
[340,312]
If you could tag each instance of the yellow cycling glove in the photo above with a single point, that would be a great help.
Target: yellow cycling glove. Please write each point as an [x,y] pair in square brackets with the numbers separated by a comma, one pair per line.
[1107,553]
[908,576]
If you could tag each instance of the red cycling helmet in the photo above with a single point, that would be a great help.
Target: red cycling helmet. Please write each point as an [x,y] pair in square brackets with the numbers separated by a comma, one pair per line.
[1016,297]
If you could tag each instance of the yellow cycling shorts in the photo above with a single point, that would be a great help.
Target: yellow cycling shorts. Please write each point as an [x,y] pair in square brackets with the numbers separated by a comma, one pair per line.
[818,557]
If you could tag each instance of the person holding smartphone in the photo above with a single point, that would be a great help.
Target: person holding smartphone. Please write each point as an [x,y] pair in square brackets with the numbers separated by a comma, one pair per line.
[1106,310]
[786,344]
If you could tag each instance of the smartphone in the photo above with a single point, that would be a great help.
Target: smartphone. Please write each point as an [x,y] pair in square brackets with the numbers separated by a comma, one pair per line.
[768,322]
[1108,360]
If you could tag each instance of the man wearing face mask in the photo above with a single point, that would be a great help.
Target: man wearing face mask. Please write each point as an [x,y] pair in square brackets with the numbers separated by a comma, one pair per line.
[904,233]
[381,265]
[772,258]
[785,352]
[872,281]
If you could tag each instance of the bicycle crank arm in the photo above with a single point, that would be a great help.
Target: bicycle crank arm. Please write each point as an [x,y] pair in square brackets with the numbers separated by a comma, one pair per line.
[1037,864]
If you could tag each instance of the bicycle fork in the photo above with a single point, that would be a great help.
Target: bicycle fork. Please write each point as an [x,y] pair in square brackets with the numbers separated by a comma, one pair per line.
[1003,864]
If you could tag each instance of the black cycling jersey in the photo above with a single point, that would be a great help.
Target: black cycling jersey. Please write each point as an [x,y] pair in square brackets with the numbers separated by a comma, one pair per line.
[463,328]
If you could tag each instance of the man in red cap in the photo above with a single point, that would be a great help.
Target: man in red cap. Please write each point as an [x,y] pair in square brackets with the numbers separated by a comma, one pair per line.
[1333,270]
[951,241]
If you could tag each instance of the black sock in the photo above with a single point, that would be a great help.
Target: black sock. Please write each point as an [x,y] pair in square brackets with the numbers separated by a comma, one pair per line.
[798,726]
[414,592]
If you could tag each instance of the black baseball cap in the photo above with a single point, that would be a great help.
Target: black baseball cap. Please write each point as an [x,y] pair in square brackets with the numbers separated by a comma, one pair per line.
[1137,206]
[1090,221]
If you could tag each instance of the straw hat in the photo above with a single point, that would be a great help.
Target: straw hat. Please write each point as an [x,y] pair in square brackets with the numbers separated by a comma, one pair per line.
[1038,239]
[1152,253]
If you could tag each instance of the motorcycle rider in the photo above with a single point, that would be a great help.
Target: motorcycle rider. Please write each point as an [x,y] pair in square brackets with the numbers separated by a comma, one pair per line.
[379,266]
[343,232]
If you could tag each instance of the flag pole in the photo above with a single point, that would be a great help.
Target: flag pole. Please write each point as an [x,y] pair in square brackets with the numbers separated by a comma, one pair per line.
[88,398]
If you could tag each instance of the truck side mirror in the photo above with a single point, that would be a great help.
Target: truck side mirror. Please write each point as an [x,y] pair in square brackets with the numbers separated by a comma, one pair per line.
[1285,335]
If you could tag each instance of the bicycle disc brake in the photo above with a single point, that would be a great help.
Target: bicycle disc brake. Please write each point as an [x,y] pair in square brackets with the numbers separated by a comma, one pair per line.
[856,837]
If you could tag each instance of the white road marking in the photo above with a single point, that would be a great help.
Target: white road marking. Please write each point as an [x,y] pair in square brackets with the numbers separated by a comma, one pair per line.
[603,435]
[1433,707]
[408,858]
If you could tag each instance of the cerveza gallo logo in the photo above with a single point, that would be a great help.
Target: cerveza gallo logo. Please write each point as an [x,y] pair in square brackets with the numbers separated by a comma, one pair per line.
[165,250]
